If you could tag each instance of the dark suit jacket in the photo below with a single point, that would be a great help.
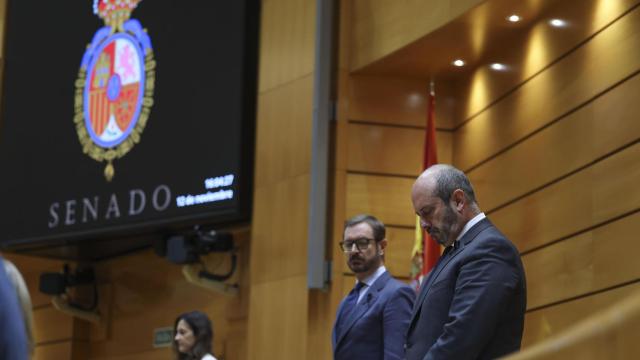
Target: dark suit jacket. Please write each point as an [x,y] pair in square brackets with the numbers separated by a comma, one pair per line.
[376,327]
[472,304]
[13,337]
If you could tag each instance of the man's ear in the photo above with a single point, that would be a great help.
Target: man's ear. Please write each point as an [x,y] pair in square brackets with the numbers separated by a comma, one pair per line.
[383,244]
[459,200]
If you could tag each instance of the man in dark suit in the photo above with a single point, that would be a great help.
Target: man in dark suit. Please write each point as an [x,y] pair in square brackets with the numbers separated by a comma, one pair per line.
[472,304]
[373,318]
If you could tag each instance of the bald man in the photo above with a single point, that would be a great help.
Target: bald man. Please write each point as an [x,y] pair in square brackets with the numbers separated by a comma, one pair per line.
[472,304]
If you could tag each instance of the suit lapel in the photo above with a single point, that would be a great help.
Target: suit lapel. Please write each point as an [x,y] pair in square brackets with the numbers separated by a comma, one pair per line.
[467,238]
[364,305]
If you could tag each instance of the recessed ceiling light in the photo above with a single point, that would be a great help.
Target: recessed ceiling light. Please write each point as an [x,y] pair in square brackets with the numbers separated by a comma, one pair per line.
[558,23]
[458,63]
[498,66]
[514,18]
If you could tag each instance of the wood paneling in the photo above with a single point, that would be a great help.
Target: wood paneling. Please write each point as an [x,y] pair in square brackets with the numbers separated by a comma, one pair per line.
[52,325]
[160,353]
[595,260]
[387,198]
[545,323]
[285,204]
[380,27]
[591,132]
[534,48]
[320,324]
[279,305]
[283,143]
[578,77]
[278,319]
[59,350]
[287,34]
[597,194]
[398,101]
[391,150]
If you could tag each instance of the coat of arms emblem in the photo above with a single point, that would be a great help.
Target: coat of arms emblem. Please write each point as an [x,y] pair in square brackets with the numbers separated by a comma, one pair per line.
[115,84]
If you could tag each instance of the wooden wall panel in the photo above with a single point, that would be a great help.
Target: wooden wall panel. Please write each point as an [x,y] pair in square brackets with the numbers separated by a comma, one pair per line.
[287,40]
[593,131]
[55,351]
[391,150]
[533,49]
[397,101]
[590,262]
[278,329]
[574,204]
[575,79]
[321,319]
[380,27]
[544,323]
[159,353]
[279,304]
[387,198]
[283,147]
[51,325]
[286,204]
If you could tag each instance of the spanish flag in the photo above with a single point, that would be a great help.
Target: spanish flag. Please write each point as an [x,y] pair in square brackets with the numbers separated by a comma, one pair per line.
[426,252]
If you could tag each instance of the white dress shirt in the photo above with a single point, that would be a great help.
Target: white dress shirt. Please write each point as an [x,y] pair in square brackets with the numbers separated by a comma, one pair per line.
[369,280]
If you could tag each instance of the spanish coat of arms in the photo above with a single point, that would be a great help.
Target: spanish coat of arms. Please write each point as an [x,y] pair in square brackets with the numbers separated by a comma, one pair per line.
[115,84]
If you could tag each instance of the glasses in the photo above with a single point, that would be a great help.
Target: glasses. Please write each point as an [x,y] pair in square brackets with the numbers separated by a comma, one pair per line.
[361,244]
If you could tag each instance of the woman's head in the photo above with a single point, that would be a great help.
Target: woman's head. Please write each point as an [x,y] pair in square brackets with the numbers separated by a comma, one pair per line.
[192,335]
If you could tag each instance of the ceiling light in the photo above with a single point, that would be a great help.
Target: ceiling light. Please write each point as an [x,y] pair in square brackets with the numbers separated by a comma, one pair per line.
[557,23]
[514,18]
[498,66]
[458,63]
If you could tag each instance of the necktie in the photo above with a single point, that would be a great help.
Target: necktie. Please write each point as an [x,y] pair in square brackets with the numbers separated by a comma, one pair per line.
[349,304]
[448,249]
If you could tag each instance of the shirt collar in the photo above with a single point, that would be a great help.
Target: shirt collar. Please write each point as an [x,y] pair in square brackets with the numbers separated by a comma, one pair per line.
[369,280]
[476,219]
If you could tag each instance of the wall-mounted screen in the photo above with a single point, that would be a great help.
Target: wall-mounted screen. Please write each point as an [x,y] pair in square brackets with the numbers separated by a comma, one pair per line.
[125,116]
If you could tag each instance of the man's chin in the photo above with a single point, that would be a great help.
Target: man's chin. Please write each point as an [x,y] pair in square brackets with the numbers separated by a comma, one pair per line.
[358,268]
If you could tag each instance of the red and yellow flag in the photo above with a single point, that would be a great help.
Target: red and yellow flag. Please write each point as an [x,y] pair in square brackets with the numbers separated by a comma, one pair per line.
[426,251]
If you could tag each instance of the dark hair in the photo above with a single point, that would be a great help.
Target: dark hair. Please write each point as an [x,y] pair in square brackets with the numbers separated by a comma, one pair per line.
[201,326]
[448,179]
[377,226]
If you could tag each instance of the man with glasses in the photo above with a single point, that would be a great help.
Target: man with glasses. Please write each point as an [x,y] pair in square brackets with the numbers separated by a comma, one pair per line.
[372,320]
